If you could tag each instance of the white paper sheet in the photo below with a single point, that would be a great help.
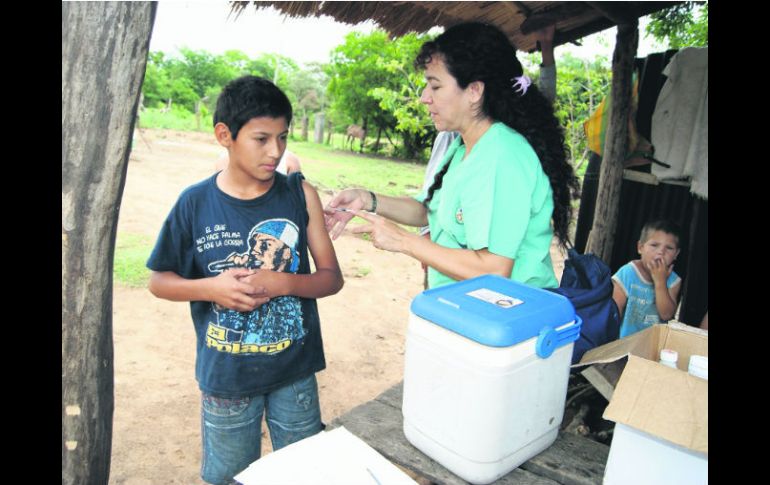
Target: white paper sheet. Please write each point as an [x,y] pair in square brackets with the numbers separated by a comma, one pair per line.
[334,457]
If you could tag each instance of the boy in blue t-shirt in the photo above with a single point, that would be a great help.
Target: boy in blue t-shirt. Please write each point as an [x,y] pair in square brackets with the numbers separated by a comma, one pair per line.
[236,247]
[646,290]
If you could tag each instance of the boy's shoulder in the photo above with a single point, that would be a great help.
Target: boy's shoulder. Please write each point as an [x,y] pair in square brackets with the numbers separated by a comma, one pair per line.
[297,185]
[627,269]
[198,189]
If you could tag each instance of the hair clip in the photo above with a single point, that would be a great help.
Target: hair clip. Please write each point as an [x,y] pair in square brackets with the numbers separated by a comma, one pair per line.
[522,84]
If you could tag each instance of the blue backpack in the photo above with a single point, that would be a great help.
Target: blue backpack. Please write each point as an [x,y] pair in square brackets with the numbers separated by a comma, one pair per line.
[587,282]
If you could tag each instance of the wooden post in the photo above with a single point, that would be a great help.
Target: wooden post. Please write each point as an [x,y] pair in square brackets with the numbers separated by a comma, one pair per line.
[104,53]
[305,123]
[602,235]
[318,133]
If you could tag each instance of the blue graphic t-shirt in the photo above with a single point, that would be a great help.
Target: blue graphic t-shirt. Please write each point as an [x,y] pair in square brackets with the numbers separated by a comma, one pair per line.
[640,312]
[244,353]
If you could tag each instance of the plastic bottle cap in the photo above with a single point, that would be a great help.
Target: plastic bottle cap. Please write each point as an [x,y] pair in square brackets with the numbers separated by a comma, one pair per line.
[669,357]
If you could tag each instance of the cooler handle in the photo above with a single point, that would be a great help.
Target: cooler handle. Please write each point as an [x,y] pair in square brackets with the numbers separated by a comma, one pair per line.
[550,339]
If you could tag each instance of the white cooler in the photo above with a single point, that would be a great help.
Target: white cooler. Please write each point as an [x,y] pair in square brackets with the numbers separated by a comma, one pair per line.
[485,376]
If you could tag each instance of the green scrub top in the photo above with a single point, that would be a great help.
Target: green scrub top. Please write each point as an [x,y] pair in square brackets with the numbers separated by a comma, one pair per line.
[497,198]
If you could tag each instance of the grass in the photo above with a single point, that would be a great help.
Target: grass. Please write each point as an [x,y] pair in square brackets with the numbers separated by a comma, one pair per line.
[336,170]
[175,119]
[131,253]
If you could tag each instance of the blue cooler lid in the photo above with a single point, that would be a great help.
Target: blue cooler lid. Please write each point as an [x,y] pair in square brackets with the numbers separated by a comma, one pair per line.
[497,311]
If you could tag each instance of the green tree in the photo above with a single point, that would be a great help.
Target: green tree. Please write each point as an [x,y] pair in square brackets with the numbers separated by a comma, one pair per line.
[581,86]
[683,25]
[194,77]
[275,67]
[373,82]
[156,87]
[306,89]
[203,70]
[355,69]
[401,96]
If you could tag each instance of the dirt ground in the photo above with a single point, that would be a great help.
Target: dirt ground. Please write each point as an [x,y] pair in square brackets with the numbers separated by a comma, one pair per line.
[156,428]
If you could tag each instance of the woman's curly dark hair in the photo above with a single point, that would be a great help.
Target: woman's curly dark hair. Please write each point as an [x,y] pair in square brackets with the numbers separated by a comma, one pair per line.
[480,52]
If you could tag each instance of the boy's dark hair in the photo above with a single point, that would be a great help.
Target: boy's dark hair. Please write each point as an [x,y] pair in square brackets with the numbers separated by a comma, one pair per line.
[250,97]
[664,225]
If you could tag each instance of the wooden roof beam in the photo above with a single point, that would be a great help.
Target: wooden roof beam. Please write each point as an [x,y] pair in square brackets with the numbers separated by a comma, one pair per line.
[562,37]
[521,8]
[615,11]
[573,36]
[538,20]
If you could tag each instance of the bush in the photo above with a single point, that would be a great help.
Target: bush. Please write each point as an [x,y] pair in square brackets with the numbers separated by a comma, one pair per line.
[177,118]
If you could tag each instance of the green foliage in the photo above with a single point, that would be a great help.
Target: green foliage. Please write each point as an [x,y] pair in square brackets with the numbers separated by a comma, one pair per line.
[402,97]
[202,70]
[353,71]
[156,87]
[373,83]
[275,67]
[337,170]
[581,86]
[370,80]
[197,77]
[308,88]
[175,119]
[131,253]
[683,25]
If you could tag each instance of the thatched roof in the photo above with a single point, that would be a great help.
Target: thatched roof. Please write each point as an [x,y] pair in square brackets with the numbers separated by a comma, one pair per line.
[518,19]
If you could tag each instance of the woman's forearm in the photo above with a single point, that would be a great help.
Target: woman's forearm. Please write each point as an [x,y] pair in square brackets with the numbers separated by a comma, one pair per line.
[404,210]
[459,264]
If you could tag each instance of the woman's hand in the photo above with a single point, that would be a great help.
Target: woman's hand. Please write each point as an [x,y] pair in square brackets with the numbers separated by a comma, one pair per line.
[351,199]
[385,234]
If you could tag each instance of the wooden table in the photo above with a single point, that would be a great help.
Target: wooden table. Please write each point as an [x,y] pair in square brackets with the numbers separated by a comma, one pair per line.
[572,459]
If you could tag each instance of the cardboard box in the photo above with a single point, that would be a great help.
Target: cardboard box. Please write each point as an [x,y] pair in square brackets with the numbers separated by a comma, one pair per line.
[661,413]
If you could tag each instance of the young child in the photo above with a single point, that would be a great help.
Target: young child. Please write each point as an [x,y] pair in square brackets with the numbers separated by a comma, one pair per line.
[235,246]
[646,290]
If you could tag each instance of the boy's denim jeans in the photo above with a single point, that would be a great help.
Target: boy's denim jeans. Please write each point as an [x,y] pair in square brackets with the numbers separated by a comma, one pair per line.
[232,428]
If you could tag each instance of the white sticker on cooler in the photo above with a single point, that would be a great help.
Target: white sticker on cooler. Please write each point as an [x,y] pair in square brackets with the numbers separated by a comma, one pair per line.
[495,298]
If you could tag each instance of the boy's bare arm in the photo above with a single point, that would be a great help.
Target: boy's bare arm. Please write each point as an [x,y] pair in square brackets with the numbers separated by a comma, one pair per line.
[225,289]
[327,278]
[665,298]
[620,298]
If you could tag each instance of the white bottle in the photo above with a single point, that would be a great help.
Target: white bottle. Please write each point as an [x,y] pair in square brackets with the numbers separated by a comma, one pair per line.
[669,357]
[699,366]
